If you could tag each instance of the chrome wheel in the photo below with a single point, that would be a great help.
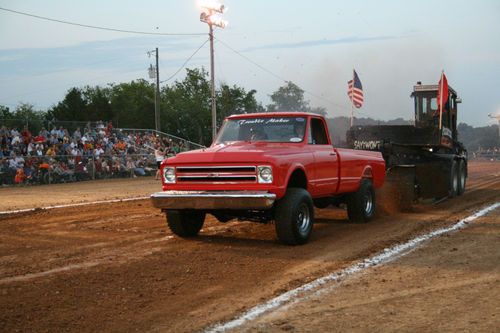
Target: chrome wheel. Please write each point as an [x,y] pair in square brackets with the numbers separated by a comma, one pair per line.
[303,219]
[361,204]
[294,217]
[368,199]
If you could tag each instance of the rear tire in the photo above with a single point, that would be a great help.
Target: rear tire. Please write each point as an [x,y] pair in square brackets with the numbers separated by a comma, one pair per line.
[294,217]
[361,204]
[462,176]
[185,223]
[453,182]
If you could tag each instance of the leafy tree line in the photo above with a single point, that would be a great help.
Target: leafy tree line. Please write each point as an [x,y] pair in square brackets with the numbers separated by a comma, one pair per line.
[476,138]
[185,108]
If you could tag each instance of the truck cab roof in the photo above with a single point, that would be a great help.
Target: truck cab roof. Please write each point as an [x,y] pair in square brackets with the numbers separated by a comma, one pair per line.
[274,114]
[423,88]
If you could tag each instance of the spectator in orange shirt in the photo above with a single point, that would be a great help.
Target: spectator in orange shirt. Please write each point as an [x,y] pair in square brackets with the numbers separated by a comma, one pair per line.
[19,178]
[120,145]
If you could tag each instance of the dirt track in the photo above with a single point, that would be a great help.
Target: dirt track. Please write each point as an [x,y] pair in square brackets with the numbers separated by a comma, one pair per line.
[117,268]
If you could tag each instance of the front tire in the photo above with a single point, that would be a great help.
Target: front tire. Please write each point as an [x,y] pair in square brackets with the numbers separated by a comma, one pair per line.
[185,223]
[361,204]
[294,217]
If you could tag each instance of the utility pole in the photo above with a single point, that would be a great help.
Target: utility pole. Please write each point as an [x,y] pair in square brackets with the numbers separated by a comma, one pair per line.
[157,95]
[212,80]
[155,73]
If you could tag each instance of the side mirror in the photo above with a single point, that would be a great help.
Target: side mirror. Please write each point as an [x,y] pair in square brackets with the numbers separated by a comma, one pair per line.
[458,100]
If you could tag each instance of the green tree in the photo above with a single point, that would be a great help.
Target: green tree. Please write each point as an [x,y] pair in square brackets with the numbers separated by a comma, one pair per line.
[132,104]
[98,102]
[235,100]
[72,107]
[26,115]
[288,98]
[4,112]
[186,107]
[475,138]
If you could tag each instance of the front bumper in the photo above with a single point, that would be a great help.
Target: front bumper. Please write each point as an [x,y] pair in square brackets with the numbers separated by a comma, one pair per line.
[213,200]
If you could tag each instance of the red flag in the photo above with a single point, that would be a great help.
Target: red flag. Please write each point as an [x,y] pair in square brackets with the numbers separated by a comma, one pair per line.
[442,97]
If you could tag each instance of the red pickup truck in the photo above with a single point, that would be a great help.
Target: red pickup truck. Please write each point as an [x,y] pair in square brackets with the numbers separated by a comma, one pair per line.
[269,167]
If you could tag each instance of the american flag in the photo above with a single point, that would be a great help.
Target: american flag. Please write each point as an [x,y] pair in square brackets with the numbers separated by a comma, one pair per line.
[355,91]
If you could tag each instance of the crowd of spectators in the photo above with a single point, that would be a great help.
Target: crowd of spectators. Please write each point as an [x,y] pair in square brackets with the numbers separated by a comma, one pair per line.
[90,152]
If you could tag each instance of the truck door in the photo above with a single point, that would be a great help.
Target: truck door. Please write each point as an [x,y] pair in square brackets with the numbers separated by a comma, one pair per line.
[326,172]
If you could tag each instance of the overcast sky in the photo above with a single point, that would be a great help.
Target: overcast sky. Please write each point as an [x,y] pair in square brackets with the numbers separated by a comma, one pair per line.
[315,44]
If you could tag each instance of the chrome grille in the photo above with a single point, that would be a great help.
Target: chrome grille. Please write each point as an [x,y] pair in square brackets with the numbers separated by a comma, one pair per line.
[216,174]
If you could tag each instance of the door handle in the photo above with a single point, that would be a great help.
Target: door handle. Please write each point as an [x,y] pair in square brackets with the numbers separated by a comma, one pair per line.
[333,154]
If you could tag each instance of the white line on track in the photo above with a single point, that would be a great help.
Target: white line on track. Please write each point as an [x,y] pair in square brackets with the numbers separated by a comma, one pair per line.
[385,256]
[71,205]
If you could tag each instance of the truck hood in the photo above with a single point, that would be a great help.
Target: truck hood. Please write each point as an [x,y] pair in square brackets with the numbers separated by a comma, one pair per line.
[238,152]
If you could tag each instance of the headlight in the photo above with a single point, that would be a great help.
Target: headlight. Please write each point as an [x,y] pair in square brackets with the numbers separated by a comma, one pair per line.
[169,175]
[265,174]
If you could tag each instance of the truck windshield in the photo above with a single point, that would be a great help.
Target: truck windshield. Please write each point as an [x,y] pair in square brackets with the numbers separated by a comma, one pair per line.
[268,129]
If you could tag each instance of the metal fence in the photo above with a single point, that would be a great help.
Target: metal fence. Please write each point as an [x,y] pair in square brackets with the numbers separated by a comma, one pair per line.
[35,125]
[488,154]
[68,168]
[186,144]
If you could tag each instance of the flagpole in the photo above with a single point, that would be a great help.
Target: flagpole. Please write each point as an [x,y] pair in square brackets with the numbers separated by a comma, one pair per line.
[352,113]
[441,100]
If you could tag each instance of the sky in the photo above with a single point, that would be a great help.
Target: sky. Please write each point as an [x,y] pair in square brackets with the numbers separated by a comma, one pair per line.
[391,44]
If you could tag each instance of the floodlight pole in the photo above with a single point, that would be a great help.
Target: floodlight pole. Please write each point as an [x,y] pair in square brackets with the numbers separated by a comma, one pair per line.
[212,80]
[497,117]
[207,17]
[155,73]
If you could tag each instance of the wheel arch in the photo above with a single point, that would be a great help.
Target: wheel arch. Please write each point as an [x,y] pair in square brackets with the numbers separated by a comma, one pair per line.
[297,178]
[367,173]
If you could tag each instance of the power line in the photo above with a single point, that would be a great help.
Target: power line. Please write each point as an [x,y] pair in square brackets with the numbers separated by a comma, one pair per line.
[253,62]
[185,62]
[279,77]
[101,28]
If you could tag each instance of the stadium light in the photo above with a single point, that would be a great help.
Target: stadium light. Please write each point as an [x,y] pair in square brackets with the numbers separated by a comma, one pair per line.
[209,10]
[213,19]
[212,5]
